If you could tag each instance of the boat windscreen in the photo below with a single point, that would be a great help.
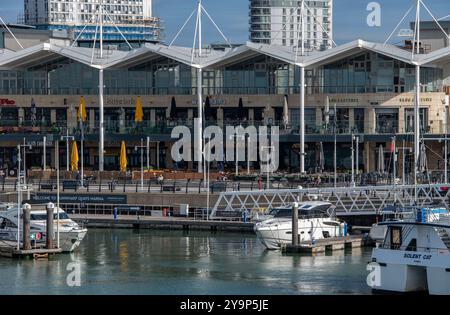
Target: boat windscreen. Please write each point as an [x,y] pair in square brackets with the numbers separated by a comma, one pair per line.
[287,212]
[43,217]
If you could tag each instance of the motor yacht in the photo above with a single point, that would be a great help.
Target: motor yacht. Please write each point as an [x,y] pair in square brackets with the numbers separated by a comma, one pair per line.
[70,233]
[315,221]
[414,255]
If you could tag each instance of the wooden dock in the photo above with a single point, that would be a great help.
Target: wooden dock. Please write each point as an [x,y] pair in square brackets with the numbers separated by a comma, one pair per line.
[326,245]
[163,223]
[9,249]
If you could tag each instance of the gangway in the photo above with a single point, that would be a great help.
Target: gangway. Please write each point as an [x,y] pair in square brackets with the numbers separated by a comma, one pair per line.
[364,200]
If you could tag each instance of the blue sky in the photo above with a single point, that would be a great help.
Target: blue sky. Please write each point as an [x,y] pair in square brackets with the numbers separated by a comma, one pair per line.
[232,17]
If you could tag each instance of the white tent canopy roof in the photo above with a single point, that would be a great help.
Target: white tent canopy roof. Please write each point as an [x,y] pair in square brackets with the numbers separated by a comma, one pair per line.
[211,58]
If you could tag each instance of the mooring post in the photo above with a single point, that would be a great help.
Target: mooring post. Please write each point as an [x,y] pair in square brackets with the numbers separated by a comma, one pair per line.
[295,224]
[26,218]
[50,209]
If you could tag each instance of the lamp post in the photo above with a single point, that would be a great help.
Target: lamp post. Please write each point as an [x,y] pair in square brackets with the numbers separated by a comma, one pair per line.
[67,138]
[207,160]
[19,195]
[335,145]
[24,172]
[394,165]
[148,153]
[233,137]
[353,162]
[142,147]
[355,166]
[268,163]
[446,142]
[44,154]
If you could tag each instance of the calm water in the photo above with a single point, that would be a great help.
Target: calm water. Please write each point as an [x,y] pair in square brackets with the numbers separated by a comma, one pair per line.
[174,262]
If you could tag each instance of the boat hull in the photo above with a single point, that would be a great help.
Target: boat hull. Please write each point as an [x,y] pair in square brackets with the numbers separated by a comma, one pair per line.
[273,236]
[405,272]
[68,240]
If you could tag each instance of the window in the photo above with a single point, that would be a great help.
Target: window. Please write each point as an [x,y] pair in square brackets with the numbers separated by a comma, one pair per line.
[396,237]
[359,119]
[386,120]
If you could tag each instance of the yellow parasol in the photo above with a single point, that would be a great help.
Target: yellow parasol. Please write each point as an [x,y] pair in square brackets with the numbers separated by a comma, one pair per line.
[123,157]
[74,157]
[139,114]
[82,115]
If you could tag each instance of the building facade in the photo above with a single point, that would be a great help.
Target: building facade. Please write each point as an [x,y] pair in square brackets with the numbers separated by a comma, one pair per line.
[279,22]
[132,17]
[371,85]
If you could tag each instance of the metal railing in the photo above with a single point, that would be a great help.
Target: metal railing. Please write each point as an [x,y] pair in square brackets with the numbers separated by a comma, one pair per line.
[348,200]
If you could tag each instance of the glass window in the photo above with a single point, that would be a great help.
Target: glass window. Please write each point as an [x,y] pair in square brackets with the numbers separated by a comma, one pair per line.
[386,120]
[359,120]
[409,120]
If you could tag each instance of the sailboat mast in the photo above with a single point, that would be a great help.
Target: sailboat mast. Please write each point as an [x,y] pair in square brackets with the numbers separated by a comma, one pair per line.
[417,106]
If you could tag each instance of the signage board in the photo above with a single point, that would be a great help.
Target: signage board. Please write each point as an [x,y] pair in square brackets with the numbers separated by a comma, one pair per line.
[79,198]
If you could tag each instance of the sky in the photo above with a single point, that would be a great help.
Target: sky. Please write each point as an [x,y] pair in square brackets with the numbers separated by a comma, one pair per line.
[350,18]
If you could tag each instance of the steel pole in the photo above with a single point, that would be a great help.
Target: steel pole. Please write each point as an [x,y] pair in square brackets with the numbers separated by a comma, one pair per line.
[19,195]
[44,157]
[353,163]
[101,147]
[57,190]
[295,224]
[142,164]
[237,158]
[394,175]
[248,156]
[67,150]
[416,130]
[302,119]
[148,153]
[446,146]
[157,154]
[82,153]
[200,121]
[357,156]
[335,147]
[403,163]
[24,162]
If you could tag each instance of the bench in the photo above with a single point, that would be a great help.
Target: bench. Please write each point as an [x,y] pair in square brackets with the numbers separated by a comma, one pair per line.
[70,184]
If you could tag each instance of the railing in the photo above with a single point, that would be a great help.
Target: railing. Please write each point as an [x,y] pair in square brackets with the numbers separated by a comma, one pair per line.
[348,200]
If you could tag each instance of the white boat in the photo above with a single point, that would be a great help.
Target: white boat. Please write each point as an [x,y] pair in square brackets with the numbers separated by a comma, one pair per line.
[315,222]
[414,255]
[70,233]
[399,214]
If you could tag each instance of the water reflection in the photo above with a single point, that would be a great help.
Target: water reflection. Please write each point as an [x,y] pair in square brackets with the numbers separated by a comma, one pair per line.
[176,262]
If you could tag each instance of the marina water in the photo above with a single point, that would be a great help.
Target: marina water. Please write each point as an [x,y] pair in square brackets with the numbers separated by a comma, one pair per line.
[177,262]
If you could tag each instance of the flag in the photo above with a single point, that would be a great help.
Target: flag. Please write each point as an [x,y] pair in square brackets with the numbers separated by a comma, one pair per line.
[74,157]
[123,157]
[139,114]
[82,115]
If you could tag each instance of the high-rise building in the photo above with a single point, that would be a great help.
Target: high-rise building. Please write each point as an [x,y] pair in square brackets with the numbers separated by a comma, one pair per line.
[132,17]
[279,22]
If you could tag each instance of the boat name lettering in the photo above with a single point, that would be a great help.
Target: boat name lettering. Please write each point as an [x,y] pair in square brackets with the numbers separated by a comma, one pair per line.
[418,256]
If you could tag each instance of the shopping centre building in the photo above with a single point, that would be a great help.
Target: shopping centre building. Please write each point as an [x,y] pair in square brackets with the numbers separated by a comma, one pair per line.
[371,85]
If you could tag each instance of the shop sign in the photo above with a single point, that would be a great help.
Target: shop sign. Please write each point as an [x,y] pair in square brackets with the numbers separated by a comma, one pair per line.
[7,102]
